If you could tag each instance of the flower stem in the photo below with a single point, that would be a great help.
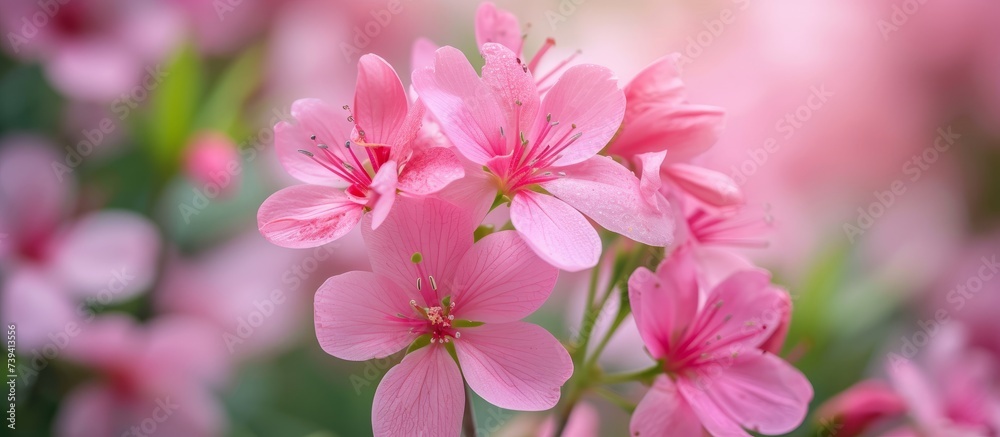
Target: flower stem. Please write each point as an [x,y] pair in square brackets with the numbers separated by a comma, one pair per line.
[633,376]
[469,420]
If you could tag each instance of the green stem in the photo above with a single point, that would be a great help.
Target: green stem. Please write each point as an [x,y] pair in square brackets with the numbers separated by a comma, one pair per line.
[616,399]
[639,375]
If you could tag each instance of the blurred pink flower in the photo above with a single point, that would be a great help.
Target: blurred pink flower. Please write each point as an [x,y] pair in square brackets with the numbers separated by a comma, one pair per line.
[52,262]
[718,377]
[859,407]
[323,148]
[91,49]
[249,289]
[213,158]
[153,378]
[501,122]
[431,282]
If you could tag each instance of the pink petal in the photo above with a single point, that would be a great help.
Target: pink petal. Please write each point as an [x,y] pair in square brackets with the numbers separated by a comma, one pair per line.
[497,26]
[94,68]
[422,395]
[313,117]
[555,231]
[861,406]
[588,97]
[357,316]
[89,411]
[429,170]
[422,54]
[515,365]
[111,255]
[380,104]
[304,216]
[717,422]
[776,341]
[664,303]
[762,393]
[463,105]
[717,263]
[34,196]
[659,82]
[439,231]
[650,180]
[684,132]
[501,280]
[384,185]
[609,194]
[741,313]
[475,191]
[38,306]
[514,89]
[709,186]
[584,421]
[664,412]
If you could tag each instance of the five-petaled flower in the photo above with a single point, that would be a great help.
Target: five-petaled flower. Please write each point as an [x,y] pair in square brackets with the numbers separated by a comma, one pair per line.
[719,375]
[541,151]
[352,163]
[431,286]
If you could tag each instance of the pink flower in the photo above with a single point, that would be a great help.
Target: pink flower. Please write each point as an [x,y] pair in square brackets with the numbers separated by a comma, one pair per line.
[860,406]
[155,378]
[658,117]
[526,143]
[717,376]
[52,262]
[372,152]
[431,285]
[208,160]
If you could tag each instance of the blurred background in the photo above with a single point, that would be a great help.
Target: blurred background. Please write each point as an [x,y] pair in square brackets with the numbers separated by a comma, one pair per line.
[136,146]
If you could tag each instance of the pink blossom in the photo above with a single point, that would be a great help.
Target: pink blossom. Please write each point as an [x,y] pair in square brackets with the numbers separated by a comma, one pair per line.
[717,376]
[50,261]
[371,151]
[91,49]
[658,117]
[210,158]
[860,406]
[526,142]
[161,374]
[431,285]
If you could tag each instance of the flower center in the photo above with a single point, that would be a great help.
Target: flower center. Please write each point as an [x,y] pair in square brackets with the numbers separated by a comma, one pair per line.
[437,321]
[529,161]
[345,162]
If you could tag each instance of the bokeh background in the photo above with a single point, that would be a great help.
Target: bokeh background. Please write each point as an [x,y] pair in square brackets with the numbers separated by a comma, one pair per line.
[136,146]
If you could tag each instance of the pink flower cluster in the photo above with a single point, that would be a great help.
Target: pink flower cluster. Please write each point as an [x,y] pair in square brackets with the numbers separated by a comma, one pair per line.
[452,292]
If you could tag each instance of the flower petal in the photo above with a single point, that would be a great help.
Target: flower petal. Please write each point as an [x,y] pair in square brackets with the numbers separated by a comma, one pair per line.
[611,195]
[384,185]
[37,305]
[380,103]
[762,393]
[111,253]
[439,231]
[587,97]
[497,26]
[664,303]
[664,412]
[357,316]
[501,280]
[464,106]
[303,216]
[743,312]
[716,421]
[313,117]
[422,395]
[555,231]
[515,365]
[429,170]
[514,88]
[709,186]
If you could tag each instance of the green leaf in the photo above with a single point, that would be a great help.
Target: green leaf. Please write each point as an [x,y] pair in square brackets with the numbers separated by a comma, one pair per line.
[222,108]
[172,108]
